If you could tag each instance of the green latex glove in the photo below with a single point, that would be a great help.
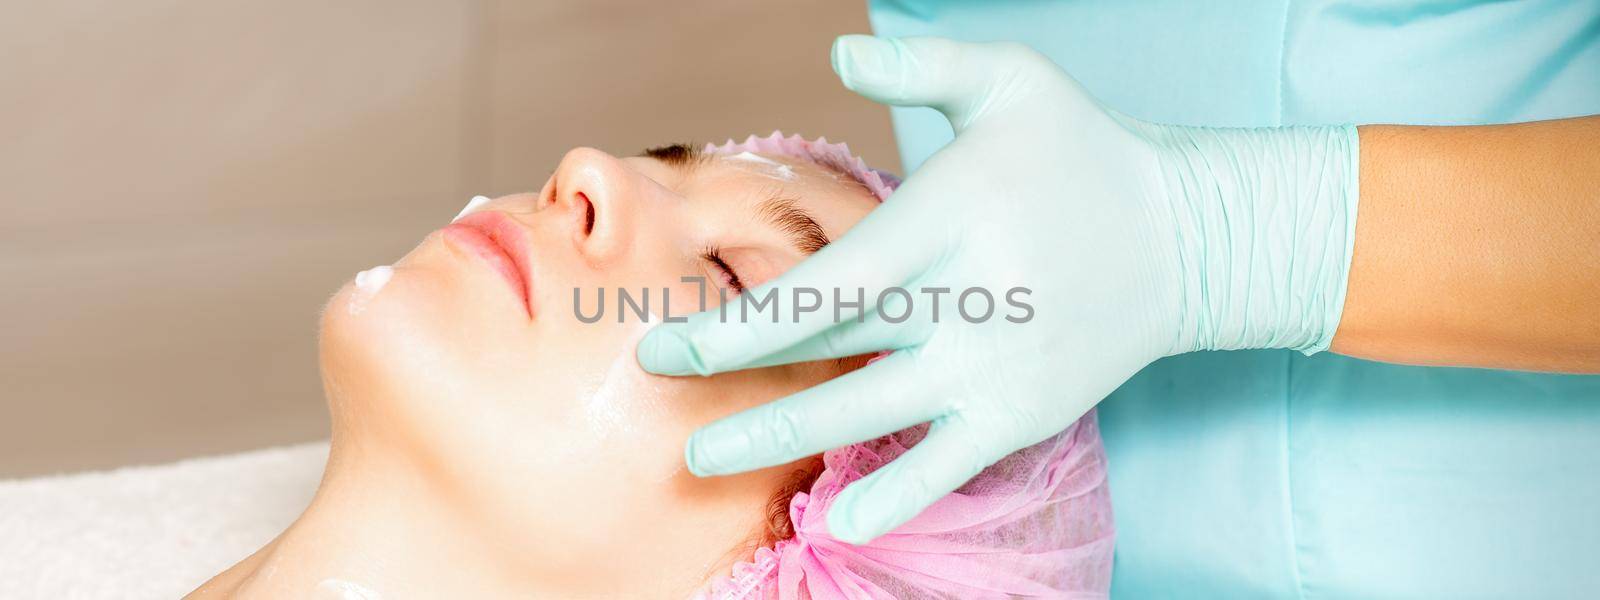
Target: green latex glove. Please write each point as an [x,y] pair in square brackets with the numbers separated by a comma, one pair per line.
[1136,241]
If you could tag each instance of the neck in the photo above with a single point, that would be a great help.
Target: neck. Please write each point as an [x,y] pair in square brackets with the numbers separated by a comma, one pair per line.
[375,529]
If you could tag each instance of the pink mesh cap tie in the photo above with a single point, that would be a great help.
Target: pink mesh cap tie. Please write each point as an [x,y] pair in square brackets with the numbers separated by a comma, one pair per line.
[1037,524]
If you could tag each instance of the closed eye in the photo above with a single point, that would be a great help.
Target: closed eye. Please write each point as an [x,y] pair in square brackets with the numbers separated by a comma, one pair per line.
[713,256]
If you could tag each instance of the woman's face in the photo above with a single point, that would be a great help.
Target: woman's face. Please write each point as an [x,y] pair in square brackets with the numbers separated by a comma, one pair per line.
[472,364]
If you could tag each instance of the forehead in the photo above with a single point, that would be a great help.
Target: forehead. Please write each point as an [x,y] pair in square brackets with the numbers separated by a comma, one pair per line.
[742,181]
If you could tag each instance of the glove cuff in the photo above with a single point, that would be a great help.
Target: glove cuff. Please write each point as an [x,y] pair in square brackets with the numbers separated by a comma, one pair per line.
[1266,227]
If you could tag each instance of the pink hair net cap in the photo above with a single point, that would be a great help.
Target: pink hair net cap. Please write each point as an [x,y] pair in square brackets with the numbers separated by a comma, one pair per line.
[1037,523]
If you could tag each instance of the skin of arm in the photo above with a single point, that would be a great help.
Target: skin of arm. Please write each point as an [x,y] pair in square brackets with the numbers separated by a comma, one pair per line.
[1478,246]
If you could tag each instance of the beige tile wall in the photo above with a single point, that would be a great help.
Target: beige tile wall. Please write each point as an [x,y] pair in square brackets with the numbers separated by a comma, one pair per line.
[183,183]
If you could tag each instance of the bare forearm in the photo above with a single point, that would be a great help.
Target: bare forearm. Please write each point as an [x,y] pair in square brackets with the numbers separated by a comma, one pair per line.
[1478,246]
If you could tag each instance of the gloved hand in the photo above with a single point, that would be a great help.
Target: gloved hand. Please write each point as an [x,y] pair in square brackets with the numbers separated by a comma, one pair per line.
[1136,240]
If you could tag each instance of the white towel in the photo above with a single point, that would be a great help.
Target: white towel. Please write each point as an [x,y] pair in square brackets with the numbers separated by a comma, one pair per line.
[149,532]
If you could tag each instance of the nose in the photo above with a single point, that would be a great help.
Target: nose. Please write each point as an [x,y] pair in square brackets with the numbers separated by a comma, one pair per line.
[593,189]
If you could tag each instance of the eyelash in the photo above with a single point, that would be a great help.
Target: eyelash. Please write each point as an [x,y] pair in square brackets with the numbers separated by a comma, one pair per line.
[713,255]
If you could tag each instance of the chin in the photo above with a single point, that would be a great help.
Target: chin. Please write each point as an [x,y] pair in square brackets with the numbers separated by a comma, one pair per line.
[377,350]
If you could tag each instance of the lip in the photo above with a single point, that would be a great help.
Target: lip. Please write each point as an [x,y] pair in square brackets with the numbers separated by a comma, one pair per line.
[500,241]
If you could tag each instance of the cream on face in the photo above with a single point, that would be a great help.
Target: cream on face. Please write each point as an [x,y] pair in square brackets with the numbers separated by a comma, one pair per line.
[762,165]
[472,205]
[339,589]
[371,281]
[368,284]
[622,393]
[617,405]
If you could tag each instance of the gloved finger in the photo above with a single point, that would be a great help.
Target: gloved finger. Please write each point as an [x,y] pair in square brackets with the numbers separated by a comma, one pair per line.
[881,398]
[896,322]
[956,78]
[873,256]
[948,457]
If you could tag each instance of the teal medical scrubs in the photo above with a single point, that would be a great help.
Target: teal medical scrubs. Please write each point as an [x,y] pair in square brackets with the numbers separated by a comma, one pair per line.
[1267,474]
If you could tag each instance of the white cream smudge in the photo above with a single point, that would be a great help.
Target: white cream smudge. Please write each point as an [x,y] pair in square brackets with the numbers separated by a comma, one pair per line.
[339,589]
[621,392]
[472,205]
[368,284]
[769,167]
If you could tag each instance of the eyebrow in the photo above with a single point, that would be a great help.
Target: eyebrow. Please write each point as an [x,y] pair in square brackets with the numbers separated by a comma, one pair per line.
[785,214]
[681,156]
